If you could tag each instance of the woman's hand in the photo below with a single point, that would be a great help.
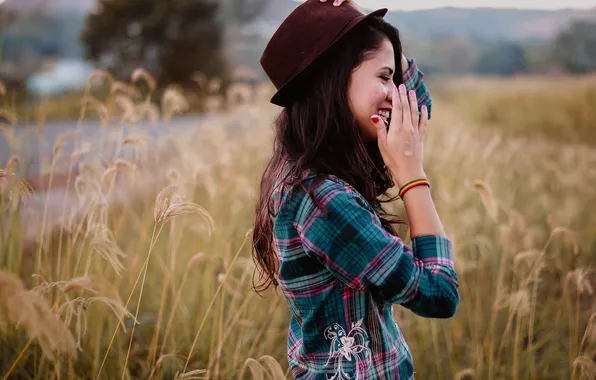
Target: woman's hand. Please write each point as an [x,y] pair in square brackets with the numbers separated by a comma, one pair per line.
[337,3]
[401,144]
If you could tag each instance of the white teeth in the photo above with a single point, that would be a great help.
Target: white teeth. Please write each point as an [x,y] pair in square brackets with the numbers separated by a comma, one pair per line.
[383,113]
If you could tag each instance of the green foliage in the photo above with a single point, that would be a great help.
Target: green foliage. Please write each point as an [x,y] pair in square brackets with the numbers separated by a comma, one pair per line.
[575,47]
[244,10]
[171,39]
[502,59]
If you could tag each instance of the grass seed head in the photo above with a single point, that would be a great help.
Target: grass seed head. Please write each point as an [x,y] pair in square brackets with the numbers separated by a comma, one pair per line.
[586,365]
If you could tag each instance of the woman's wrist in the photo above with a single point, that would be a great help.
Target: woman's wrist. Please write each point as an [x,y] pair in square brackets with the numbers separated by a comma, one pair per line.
[404,178]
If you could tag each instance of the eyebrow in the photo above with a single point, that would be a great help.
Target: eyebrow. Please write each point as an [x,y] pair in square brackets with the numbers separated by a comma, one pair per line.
[388,68]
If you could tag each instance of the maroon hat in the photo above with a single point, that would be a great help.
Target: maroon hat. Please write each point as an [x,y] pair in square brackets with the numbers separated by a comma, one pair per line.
[310,30]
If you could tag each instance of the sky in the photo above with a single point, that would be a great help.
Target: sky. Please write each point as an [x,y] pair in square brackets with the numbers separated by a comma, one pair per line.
[428,4]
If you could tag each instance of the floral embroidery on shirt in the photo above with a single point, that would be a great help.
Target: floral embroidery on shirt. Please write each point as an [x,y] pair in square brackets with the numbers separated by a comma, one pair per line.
[347,347]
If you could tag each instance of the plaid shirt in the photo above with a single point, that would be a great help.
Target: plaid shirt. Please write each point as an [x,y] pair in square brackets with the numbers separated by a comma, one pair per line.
[341,273]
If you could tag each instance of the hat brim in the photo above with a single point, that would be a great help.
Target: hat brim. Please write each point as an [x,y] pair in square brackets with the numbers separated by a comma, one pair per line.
[282,97]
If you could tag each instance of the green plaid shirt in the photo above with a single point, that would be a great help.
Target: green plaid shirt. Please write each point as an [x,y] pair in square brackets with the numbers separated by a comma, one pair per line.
[341,273]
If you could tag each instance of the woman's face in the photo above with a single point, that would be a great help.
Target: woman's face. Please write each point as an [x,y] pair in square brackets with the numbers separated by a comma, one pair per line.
[371,88]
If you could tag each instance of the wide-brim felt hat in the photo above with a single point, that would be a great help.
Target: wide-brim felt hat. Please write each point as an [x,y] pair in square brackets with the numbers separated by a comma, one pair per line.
[306,34]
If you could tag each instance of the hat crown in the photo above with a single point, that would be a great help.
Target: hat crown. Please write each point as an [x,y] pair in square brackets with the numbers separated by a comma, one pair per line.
[304,35]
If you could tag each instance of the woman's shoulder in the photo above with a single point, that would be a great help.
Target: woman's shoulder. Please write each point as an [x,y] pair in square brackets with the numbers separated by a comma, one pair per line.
[331,191]
[315,190]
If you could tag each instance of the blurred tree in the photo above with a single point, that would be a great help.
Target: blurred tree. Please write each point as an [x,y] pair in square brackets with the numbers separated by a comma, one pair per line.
[575,47]
[7,17]
[171,39]
[502,58]
[244,11]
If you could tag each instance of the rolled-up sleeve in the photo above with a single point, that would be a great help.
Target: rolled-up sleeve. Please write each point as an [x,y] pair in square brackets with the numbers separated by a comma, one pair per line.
[346,235]
[413,81]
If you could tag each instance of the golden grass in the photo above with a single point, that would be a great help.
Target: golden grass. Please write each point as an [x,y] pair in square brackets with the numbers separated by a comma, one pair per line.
[145,270]
[560,109]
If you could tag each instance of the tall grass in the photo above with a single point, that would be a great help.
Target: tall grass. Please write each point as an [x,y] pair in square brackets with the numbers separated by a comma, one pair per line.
[145,270]
[560,109]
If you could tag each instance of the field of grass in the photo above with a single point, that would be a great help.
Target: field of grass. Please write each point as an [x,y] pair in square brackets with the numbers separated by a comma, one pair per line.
[145,271]
[559,108]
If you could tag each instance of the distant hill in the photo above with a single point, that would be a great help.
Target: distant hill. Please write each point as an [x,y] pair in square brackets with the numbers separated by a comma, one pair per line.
[75,6]
[434,35]
[472,23]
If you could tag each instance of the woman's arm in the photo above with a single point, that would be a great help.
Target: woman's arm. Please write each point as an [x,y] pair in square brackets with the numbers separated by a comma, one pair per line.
[348,238]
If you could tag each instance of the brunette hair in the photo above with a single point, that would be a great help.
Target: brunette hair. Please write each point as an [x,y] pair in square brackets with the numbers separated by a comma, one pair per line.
[317,132]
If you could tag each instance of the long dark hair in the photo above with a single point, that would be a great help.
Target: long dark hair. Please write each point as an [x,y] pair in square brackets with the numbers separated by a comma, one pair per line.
[317,132]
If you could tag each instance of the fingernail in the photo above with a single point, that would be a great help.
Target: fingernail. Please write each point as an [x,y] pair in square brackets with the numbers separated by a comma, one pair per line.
[402,87]
[424,108]
[412,93]
[375,119]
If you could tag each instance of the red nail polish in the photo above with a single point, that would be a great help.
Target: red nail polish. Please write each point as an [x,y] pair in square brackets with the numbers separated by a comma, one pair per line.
[375,119]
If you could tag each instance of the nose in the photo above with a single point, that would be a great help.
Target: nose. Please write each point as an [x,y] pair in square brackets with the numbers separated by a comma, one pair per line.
[391,91]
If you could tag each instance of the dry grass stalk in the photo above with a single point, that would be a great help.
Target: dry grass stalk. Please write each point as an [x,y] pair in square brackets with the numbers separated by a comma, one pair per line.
[199,78]
[465,373]
[128,107]
[274,367]
[518,302]
[9,136]
[65,286]
[61,139]
[124,88]
[99,108]
[2,89]
[255,367]
[587,366]
[590,332]
[162,359]
[104,244]
[571,235]
[77,283]
[188,209]
[488,199]
[12,161]
[142,74]
[579,277]
[119,164]
[10,116]
[148,109]
[173,102]
[100,74]
[162,201]
[32,312]
[214,85]
[24,189]
[76,309]
[530,256]
[194,374]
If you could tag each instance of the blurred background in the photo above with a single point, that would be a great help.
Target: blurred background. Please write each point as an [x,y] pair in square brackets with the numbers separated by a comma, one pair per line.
[133,134]
[50,47]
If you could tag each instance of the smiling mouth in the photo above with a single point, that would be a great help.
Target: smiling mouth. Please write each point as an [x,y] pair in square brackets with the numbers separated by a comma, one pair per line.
[385,116]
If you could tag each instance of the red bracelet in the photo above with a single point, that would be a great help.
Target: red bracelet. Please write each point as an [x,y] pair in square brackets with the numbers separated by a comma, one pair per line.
[411,185]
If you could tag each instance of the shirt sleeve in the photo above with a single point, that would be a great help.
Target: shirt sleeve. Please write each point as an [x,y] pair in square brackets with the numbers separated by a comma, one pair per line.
[413,81]
[348,238]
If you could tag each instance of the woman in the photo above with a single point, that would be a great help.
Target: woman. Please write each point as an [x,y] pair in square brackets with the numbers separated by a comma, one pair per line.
[348,132]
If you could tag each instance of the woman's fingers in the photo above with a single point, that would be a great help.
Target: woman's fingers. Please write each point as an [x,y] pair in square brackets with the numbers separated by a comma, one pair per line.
[381,132]
[423,123]
[413,108]
[403,96]
[396,117]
